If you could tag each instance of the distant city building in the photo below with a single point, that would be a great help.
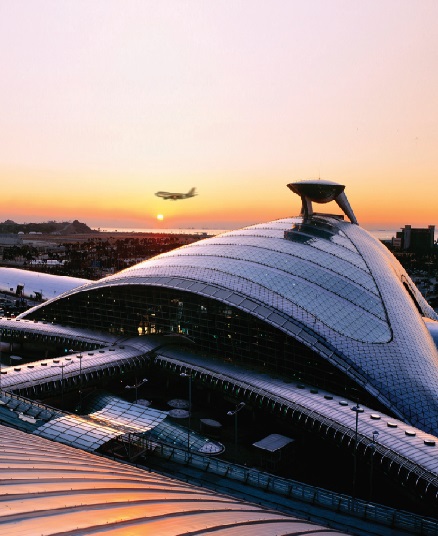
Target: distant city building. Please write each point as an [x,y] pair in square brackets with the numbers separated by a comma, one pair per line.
[411,239]
[9,241]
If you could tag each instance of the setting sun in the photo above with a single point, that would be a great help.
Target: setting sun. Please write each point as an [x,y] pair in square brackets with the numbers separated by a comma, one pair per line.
[160,217]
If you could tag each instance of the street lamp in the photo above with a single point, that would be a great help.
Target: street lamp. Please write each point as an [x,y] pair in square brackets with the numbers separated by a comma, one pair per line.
[1,372]
[136,386]
[373,448]
[80,357]
[189,376]
[234,412]
[357,409]
[62,366]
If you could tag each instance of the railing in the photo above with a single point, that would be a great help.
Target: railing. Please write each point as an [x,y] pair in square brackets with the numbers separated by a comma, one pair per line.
[50,411]
[335,502]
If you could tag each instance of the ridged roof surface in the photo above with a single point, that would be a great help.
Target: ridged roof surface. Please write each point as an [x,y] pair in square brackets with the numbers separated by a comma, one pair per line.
[47,488]
[49,285]
[329,284]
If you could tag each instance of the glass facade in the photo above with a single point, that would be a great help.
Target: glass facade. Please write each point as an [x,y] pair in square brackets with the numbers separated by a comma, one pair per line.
[217,329]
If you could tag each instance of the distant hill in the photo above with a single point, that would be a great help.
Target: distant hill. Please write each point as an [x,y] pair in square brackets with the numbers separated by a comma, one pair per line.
[50,227]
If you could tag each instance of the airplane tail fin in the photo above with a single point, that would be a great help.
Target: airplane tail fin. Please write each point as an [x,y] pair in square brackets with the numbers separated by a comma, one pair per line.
[192,191]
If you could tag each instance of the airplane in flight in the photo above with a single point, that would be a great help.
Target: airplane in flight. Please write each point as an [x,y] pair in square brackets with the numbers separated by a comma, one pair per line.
[176,196]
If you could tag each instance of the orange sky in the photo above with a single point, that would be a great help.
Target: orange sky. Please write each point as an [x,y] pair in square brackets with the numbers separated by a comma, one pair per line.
[105,103]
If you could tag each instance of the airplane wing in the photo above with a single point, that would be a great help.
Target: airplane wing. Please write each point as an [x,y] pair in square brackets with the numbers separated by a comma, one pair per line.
[164,195]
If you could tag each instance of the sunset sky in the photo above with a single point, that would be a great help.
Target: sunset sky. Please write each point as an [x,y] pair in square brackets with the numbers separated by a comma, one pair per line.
[105,102]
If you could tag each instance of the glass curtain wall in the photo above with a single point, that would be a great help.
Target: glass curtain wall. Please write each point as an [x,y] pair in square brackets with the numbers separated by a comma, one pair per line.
[217,329]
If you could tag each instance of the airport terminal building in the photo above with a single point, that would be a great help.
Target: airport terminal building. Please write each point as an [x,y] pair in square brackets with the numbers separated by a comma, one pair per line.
[304,317]
[315,298]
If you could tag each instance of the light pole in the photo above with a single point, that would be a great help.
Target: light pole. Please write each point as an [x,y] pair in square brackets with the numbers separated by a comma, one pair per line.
[189,376]
[357,409]
[234,412]
[80,357]
[62,366]
[373,448]
[1,364]
[136,386]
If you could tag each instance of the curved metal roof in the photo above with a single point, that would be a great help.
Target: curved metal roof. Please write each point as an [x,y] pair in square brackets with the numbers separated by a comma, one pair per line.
[48,488]
[48,285]
[326,282]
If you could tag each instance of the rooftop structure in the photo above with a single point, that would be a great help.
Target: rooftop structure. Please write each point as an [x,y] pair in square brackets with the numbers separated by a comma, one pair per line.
[321,191]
